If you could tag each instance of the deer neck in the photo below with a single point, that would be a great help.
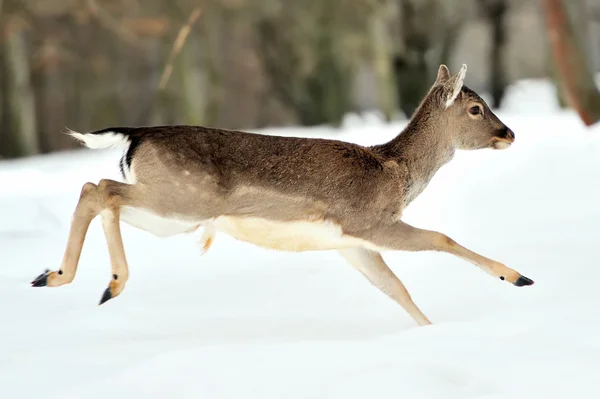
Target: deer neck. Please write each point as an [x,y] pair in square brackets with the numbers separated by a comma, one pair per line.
[421,149]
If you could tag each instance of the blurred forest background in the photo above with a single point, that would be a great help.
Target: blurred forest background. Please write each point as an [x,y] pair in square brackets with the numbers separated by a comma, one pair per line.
[246,64]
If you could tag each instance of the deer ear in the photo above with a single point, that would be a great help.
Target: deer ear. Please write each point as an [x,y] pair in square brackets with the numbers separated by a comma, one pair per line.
[453,86]
[443,75]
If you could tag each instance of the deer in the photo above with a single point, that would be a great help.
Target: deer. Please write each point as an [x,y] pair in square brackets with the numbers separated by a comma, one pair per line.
[286,193]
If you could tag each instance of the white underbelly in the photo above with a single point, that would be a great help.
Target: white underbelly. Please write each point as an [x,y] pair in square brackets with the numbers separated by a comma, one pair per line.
[295,236]
[288,236]
[156,224]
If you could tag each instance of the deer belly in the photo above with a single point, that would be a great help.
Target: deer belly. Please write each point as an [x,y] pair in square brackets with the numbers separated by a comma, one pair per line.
[158,225]
[286,236]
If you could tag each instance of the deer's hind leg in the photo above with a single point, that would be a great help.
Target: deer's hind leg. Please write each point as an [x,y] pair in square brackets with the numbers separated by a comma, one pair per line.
[106,199]
[374,268]
[87,209]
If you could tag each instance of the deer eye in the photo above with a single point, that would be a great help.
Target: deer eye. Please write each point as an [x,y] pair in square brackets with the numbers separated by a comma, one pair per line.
[476,110]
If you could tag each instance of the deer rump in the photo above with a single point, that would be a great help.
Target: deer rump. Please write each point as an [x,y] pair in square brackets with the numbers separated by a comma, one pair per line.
[281,193]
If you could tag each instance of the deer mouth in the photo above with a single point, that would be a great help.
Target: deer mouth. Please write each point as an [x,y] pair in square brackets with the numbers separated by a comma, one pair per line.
[501,143]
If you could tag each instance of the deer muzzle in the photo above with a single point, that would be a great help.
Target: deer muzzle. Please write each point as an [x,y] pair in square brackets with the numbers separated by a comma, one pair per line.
[504,139]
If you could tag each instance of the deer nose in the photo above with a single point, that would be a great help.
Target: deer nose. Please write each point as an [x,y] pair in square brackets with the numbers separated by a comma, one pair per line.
[510,135]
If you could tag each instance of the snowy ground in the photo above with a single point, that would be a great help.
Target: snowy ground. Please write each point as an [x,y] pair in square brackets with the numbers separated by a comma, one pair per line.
[241,322]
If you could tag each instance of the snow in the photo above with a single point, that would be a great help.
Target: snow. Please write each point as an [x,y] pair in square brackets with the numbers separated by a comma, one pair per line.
[242,322]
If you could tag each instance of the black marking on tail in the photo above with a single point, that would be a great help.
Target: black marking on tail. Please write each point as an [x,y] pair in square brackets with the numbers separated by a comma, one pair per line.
[134,135]
[121,166]
[135,141]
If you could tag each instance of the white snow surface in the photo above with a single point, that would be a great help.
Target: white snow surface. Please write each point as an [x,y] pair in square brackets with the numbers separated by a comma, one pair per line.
[243,322]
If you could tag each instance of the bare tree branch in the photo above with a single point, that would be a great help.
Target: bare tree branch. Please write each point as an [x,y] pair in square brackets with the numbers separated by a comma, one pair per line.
[177,46]
[112,24]
[576,80]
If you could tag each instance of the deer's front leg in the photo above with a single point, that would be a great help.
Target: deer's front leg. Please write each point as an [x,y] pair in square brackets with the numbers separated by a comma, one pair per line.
[404,237]
[373,267]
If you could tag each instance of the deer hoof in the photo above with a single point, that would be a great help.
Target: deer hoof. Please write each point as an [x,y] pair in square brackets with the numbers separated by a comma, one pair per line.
[523,281]
[106,296]
[41,280]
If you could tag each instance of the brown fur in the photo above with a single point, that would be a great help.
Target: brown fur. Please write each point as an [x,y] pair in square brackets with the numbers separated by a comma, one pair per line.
[288,178]
[355,194]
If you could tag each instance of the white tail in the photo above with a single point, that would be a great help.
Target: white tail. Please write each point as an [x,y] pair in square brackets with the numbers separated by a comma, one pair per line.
[101,140]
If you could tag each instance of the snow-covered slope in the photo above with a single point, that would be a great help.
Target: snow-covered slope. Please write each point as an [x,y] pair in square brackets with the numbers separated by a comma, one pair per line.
[242,322]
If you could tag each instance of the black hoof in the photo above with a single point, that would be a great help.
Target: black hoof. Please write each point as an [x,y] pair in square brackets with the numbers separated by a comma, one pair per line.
[41,280]
[106,296]
[523,281]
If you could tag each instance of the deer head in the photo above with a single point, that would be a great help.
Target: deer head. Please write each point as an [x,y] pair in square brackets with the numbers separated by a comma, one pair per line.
[464,115]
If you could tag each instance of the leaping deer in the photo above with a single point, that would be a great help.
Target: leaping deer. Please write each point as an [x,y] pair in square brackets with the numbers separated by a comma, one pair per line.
[288,193]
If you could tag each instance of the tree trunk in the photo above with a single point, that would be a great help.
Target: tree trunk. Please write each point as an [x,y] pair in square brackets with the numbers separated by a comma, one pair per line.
[412,77]
[382,66]
[448,44]
[576,79]
[317,96]
[21,138]
[411,69]
[210,61]
[498,74]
